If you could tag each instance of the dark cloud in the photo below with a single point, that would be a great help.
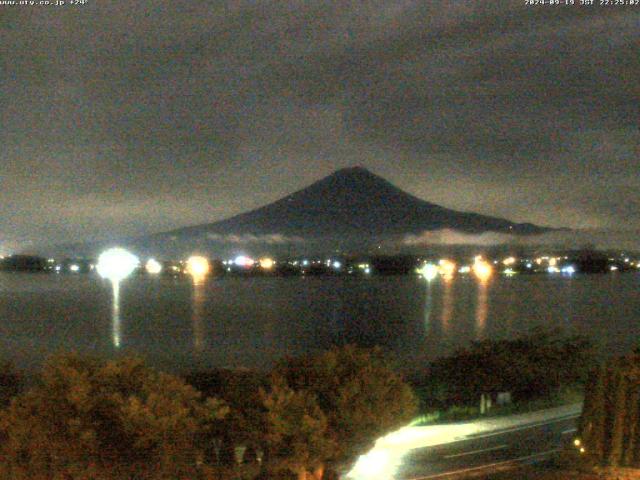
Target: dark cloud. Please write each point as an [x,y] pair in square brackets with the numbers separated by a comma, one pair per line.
[136,117]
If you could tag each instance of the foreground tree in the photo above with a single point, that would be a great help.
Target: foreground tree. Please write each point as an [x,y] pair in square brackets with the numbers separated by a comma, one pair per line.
[610,422]
[530,367]
[296,431]
[245,423]
[89,419]
[10,383]
[359,393]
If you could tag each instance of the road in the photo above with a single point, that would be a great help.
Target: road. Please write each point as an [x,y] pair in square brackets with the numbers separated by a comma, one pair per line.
[519,444]
[447,451]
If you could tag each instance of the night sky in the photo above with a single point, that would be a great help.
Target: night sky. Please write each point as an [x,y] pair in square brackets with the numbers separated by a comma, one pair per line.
[126,118]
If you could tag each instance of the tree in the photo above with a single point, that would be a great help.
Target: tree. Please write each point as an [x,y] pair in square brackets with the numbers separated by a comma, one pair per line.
[244,425]
[296,430]
[358,391]
[10,383]
[609,423]
[532,366]
[90,418]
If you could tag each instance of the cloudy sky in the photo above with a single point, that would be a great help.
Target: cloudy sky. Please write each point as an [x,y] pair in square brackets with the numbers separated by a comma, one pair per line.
[124,118]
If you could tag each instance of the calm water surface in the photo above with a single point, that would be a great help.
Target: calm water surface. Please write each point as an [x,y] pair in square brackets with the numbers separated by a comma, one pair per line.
[252,322]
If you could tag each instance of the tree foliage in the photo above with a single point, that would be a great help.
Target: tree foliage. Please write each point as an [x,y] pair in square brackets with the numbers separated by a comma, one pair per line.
[296,430]
[87,418]
[358,391]
[610,422]
[529,367]
[10,383]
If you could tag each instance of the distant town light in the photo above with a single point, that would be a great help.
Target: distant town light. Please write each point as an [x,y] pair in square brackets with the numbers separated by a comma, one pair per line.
[267,263]
[153,266]
[116,264]
[464,269]
[614,268]
[553,269]
[74,268]
[197,266]
[447,267]
[569,269]
[482,269]
[337,265]
[429,271]
[509,261]
[243,261]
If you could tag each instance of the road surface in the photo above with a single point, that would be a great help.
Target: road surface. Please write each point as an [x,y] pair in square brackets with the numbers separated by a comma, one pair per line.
[520,444]
[447,451]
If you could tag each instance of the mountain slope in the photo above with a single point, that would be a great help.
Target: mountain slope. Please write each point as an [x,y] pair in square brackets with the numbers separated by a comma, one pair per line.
[354,201]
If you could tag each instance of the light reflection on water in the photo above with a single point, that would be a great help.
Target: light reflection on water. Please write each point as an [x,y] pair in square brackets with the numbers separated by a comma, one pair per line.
[253,322]
[482,307]
[427,308]
[199,298]
[447,305]
[115,316]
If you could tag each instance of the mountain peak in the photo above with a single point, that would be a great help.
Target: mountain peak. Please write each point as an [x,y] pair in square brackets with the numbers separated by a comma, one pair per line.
[355,201]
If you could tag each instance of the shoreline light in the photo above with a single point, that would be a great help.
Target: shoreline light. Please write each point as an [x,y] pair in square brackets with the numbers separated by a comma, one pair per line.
[266,263]
[446,268]
[116,264]
[153,266]
[429,271]
[509,261]
[482,269]
[197,266]
[243,261]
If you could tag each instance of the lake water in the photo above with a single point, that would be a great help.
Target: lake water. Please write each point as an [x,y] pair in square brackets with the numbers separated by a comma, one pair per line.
[253,322]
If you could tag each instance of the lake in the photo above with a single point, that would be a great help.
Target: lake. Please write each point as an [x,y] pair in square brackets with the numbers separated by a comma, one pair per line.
[252,322]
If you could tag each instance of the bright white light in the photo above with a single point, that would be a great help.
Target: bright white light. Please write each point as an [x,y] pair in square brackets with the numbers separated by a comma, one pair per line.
[375,465]
[243,261]
[367,270]
[337,265]
[465,269]
[509,271]
[614,268]
[529,265]
[429,271]
[553,269]
[74,268]
[570,269]
[116,264]
[153,266]
[305,262]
